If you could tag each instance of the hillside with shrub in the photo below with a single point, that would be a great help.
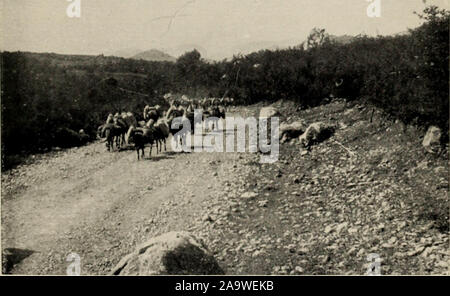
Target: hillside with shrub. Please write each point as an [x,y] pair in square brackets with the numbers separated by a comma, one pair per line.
[405,75]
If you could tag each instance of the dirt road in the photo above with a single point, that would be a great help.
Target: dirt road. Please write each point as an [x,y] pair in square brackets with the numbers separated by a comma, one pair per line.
[91,202]
[321,211]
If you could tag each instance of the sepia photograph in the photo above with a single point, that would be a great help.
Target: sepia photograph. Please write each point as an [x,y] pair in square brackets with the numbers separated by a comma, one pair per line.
[224,138]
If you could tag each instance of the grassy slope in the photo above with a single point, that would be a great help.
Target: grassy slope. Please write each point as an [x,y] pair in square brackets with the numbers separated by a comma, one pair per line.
[324,212]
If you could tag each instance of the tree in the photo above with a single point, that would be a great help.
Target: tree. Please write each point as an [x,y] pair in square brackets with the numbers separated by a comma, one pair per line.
[189,58]
[189,65]
[317,38]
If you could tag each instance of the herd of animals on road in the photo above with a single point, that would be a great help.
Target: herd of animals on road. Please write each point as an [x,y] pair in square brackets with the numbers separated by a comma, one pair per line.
[123,129]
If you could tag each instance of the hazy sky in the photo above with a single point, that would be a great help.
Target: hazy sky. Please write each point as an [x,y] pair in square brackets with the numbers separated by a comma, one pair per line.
[220,27]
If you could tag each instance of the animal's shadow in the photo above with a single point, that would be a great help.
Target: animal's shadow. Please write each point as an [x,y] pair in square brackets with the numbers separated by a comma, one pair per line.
[171,153]
[124,148]
[158,157]
[13,256]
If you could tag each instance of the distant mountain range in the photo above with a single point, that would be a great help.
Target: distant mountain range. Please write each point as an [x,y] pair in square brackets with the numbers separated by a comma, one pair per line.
[167,54]
[147,55]
[154,55]
[170,54]
[181,49]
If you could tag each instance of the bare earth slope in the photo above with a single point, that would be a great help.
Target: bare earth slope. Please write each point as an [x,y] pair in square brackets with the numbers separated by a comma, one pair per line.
[320,213]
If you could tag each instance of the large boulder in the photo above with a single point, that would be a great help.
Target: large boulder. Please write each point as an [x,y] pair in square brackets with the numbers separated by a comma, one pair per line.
[268,112]
[316,133]
[173,253]
[432,140]
[292,130]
